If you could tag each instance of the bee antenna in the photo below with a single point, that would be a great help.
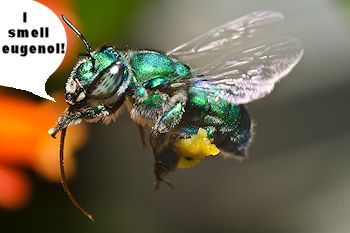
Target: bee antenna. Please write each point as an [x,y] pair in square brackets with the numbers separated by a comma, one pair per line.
[64,179]
[79,34]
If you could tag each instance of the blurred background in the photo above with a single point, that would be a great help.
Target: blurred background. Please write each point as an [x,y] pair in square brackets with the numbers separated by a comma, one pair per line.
[297,178]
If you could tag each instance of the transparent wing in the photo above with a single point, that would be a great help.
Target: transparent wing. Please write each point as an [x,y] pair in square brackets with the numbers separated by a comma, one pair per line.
[226,37]
[233,61]
[250,73]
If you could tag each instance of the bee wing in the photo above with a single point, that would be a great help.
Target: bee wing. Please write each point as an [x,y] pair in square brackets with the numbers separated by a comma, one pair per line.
[224,38]
[251,73]
[234,63]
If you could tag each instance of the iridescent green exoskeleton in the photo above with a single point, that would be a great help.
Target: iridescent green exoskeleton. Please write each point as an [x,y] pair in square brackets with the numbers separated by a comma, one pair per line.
[198,88]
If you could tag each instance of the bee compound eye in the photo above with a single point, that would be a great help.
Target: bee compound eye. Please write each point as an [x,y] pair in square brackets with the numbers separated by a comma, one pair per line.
[117,68]
[107,82]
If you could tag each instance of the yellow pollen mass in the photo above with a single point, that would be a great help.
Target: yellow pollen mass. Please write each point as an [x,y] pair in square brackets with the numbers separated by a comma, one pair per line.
[192,150]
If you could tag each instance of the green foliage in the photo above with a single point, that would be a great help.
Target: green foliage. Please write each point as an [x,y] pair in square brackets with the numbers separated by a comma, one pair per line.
[106,19]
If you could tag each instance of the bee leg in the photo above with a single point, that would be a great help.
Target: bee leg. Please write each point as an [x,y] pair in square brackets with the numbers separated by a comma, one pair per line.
[159,177]
[172,113]
[165,159]
[65,120]
[69,118]
[100,112]
[94,114]
[142,136]
[161,168]
[90,114]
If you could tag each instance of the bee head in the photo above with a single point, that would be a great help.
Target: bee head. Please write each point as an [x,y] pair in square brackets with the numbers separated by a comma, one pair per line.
[98,76]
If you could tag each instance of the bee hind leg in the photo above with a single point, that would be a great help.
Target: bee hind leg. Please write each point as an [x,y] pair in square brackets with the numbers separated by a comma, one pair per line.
[165,159]
[142,136]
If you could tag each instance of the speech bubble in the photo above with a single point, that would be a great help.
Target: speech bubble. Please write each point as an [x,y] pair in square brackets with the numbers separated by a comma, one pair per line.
[33,43]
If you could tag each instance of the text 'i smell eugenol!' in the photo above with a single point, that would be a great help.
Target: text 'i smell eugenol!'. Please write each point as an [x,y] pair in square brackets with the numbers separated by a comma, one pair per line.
[24,50]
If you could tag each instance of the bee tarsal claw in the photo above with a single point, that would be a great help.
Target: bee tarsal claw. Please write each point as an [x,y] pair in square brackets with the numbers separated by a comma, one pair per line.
[161,180]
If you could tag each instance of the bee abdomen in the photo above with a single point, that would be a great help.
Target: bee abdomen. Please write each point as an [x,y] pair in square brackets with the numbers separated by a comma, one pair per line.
[233,138]
[227,124]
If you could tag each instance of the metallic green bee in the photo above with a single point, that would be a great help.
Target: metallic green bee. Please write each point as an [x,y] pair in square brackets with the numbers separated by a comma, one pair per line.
[191,97]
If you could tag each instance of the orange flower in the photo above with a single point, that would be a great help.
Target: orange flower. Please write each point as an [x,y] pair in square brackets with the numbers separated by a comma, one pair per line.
[14,188]
[24,141]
